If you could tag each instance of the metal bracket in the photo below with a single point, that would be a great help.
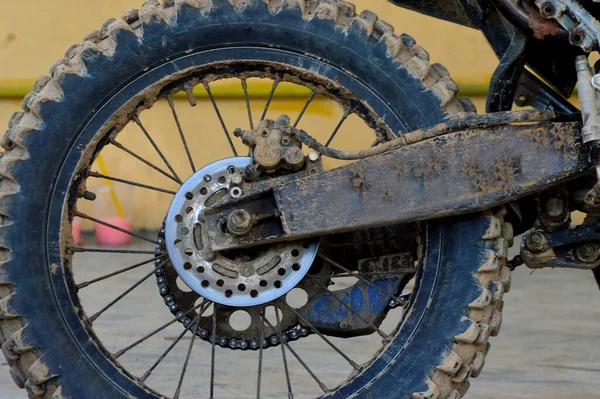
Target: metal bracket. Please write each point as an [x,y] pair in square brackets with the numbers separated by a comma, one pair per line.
[577,248]
[583,28]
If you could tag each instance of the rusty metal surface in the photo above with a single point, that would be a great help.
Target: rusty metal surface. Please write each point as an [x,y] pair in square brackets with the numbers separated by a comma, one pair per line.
[452,174]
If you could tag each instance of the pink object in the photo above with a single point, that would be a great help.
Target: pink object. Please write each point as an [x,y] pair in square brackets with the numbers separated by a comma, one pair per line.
[76,231]
[110,237]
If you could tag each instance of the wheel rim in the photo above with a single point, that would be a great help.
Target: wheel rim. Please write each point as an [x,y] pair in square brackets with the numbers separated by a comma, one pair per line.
[56,249]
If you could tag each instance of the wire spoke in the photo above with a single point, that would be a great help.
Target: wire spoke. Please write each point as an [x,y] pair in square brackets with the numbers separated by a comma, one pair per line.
[173,344]
[187,360]
[310,98]
[139,158]
[275,84]
[112,226]
[361,278]
[107,276]
[331,295]
[159,329]
[212,353]
[300,360]
[285,365]
[183,140]
[214,103]
[323,337]
[245,87]
[131,183]
[134,286]
[110,251]
[158,151]
[347,113]
[260,353]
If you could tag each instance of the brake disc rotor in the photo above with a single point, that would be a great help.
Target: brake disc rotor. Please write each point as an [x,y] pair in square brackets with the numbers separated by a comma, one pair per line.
[232,280]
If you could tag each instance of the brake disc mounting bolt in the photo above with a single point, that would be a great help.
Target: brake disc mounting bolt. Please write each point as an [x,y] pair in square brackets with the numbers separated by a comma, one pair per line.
[344,325]
[236,180]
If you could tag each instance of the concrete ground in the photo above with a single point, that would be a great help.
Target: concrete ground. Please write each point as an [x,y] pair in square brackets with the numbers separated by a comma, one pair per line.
[548,346]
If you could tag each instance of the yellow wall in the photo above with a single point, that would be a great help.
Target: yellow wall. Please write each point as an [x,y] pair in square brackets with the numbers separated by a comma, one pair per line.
[33,34]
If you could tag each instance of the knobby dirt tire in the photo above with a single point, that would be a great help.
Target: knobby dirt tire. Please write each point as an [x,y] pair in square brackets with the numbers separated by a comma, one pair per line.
[466,255]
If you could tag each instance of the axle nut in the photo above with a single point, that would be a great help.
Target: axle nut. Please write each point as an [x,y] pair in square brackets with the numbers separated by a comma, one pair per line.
[239,222]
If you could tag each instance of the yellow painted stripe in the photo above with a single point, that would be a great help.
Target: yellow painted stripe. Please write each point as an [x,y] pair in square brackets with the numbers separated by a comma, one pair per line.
[17,89]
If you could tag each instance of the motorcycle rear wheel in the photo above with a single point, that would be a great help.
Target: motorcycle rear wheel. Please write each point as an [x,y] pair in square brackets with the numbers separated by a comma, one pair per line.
[47,337]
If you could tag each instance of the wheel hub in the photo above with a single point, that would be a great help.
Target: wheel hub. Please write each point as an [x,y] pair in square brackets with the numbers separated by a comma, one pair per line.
[240,278]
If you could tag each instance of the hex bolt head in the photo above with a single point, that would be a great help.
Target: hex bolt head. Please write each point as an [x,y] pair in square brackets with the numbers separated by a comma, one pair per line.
[313,156]
[236,180]
[536,242]
[587,250]
[207,178]
[588,253]
[536,238]
[239,222]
